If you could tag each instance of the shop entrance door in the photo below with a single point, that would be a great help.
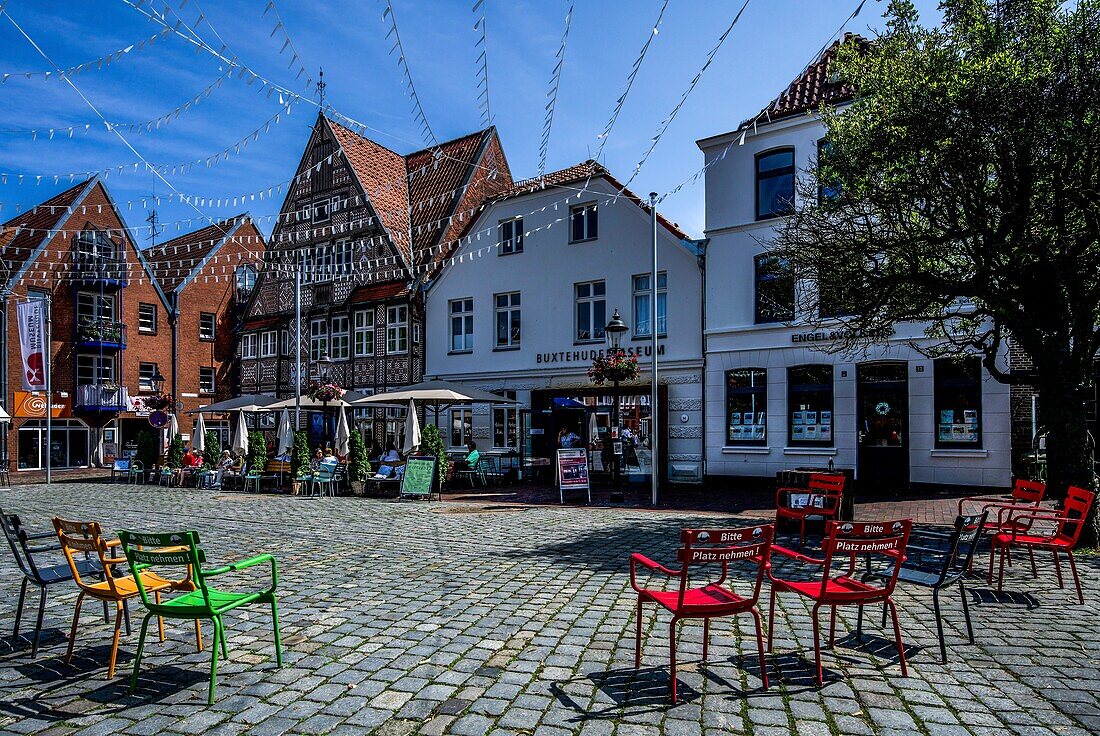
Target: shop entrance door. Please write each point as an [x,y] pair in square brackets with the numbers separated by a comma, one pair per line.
[882,398]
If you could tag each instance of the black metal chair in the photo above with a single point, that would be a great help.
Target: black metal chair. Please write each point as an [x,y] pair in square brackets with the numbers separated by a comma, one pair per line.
[28,551]
[937,560]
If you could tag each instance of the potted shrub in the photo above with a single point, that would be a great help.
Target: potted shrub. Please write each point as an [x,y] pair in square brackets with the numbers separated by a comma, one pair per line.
[357,462]
[431,443]
[174,458]
[257,452]
[146,450]
[299,459]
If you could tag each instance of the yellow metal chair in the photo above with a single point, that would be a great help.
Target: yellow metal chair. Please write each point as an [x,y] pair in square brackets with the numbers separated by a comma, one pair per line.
[79,537]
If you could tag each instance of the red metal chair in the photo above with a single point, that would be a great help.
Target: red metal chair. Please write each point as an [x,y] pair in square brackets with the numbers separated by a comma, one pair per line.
[847,539]
[824,495]
[1066,526]
[1025,494]
[749,545]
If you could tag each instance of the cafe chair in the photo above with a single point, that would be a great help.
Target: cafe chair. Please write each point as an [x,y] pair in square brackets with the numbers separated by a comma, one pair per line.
[939,560]
[322,480]
[78,537]
[822,498]
[145,551]
[137,473]
[844,541]
[1045,529]
[747,547]
[35,560]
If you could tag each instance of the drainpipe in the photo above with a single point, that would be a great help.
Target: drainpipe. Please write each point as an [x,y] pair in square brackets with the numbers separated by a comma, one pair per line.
[4,376]
[701,258]
[175,347]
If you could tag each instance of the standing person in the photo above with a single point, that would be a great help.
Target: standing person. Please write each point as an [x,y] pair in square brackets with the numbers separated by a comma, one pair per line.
[567,438]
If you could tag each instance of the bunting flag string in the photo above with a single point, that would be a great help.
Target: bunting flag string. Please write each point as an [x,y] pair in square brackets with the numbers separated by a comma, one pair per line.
[97,64]
[683,98]
[483,64]
[295,59]
[555,81]
[410,88]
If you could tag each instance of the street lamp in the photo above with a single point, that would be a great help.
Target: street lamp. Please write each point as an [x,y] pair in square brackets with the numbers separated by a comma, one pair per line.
[613,333]
[157,380]
[324,375]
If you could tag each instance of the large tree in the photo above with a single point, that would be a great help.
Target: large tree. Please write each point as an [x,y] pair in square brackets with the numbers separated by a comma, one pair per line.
[962,187]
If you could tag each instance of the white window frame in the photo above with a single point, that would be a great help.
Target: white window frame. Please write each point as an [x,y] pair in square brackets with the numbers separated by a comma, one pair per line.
[501,414]
[589,303]
[363,333]
[513,307]
[213,326]
[102,367]
[319,207]
[147,330]
[466,431]
[318,339]
[269,343]
[511,235]
[284,341]
[641,322]
[145,383]
[582,210]
[339,340]
[397,329]
[249,343]
[343,257]
[463,318]
[208,371]
[95,301]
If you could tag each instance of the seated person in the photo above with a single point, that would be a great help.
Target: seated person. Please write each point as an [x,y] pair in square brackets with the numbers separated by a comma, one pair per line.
[472,456]
[189,458]
[391,455]
[329,458]
[375,453]
[315,463]
[225,467]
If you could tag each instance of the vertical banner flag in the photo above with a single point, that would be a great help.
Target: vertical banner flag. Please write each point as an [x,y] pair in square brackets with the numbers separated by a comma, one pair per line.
[31,318]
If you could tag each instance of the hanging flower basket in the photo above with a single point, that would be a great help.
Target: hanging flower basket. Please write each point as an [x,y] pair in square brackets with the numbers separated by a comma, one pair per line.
[325,391]
[613,366]
[157,402]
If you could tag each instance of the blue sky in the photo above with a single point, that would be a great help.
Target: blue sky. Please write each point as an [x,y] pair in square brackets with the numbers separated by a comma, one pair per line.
[770,44]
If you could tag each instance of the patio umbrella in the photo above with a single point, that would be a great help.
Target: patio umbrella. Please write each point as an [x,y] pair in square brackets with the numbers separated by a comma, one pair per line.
[4,416]
[346,400]
[248,402]
[343,436]
[412,429]
[593,428]
[240,435]
[286,433]
[436,393]
[198,442]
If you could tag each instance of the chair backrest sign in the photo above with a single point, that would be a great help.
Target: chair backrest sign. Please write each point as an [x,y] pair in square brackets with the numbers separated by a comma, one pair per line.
[419,476]
[573,471]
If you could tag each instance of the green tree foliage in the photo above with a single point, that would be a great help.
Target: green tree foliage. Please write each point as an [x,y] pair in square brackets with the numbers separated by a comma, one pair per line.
[212,449]
[968,179]
[257,451]
[146,449]
[431,443]
[174,458]
[299,457]
[357,456]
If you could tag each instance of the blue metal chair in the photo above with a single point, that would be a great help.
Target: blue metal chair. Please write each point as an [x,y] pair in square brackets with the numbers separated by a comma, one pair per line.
[937,560]
[323,479]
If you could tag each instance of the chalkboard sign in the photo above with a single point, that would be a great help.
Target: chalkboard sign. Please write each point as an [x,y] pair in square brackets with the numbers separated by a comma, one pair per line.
[419,476]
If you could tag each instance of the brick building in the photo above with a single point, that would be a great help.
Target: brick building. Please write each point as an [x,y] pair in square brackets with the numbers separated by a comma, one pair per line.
[365,226]
[205,277]
[75,248]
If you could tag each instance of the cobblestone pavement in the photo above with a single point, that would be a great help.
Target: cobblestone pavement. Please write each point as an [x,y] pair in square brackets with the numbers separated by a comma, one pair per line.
[473,618]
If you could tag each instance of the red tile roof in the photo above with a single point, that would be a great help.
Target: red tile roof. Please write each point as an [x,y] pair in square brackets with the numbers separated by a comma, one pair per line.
[377,292]
[815,87]
[32,224]
[173,261]
[433,181]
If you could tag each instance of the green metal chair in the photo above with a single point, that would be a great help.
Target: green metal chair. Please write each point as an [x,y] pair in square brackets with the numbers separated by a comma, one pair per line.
[136,473]
[205,601]
[323,480]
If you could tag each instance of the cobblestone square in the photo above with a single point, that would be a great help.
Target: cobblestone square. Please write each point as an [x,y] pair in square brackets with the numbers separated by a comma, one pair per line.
[468,618]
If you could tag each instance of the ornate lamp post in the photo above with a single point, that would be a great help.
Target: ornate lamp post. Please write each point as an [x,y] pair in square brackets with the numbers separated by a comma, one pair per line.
[613,333]
[157,380]
[324,375]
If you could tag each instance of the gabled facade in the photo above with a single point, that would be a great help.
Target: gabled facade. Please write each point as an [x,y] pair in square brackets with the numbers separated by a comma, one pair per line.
[75,248]
[520,310]
[207,277]
[775,399]
[364,226]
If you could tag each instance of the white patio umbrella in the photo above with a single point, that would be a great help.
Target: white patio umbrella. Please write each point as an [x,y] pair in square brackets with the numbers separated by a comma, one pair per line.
[343,435]
[412,429]
[198,442]
[593,428]
[240,436]
[173,428]
[286,433]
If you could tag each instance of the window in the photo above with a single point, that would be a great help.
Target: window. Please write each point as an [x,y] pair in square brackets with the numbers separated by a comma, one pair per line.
[320,210]
[39,294]
[68,437]
[958,398]
[828,186]
[511,236]
[462,426]
[147,317]
[268,340]
[248,344]
[93,307]
[343,257]
[810,405]
[774,290]
[206,380]
[508,319]
[340,344]
[584,222]
[746,406]
[364,333]
[318,339]
[774,183]
[416,333]
[246,279]
[146,371]
[642,293]
[591,310]
[207,325]
[397,329]
[505,426]
[462,325]
[321,262]
[95,369]
[284,342]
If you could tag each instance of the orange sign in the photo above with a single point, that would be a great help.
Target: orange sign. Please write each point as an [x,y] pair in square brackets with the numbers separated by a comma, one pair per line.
[32,405]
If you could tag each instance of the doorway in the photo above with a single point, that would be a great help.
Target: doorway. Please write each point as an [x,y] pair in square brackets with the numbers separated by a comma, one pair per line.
[882,400]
